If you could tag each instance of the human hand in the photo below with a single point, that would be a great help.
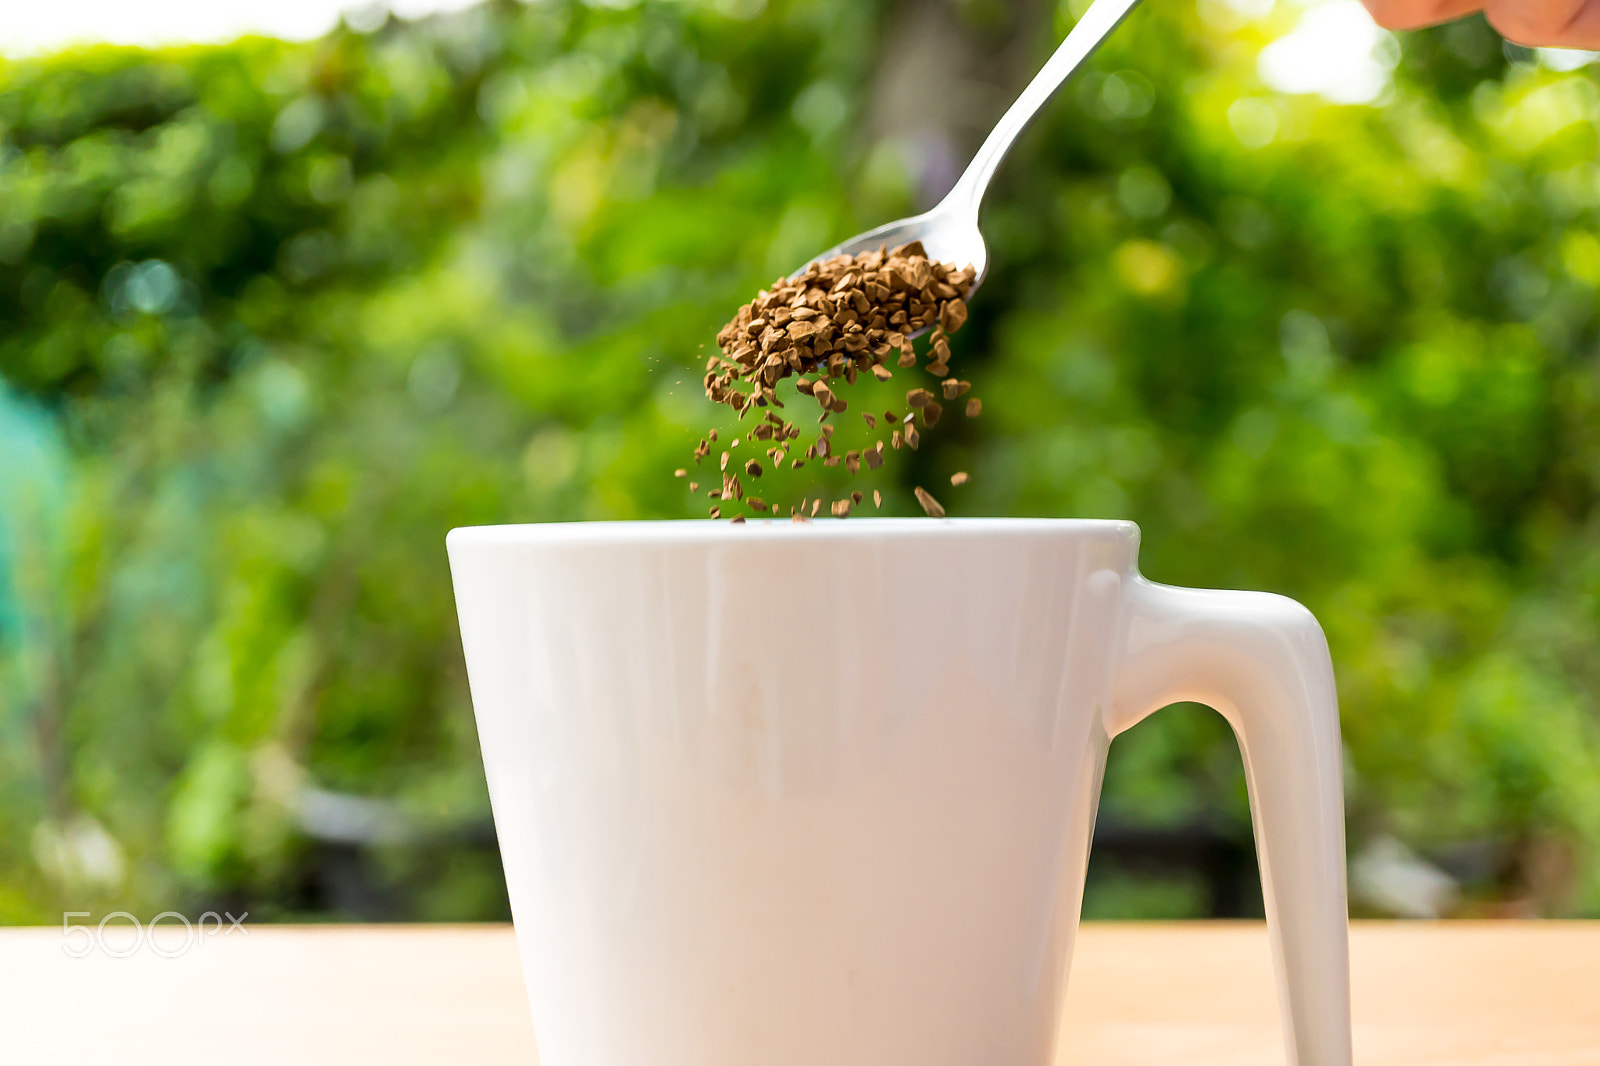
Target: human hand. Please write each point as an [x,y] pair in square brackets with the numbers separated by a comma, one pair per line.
[1535,23]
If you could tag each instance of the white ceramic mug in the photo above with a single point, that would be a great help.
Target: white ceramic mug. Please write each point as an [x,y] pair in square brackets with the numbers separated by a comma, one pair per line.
[821,794]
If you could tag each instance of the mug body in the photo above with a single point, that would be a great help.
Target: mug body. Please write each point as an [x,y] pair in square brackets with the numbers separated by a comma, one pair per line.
[793,793]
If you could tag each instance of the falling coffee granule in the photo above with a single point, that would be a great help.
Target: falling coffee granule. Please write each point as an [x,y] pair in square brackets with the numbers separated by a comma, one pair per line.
[929,504]
[843,317]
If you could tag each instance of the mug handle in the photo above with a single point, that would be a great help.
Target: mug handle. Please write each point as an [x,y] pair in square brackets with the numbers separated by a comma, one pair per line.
[1261,661]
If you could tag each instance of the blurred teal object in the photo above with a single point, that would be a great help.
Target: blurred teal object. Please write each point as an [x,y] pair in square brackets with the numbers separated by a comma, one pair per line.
[34,482]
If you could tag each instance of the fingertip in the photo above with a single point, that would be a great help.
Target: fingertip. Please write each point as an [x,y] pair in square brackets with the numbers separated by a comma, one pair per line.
[1385,13]
[1414,14]
[1546,27]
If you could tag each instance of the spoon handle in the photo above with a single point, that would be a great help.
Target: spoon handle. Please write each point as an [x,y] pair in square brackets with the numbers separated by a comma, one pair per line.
[1094,27]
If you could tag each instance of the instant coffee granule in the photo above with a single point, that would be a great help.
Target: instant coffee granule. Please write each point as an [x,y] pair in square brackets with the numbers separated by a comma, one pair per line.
[843,317]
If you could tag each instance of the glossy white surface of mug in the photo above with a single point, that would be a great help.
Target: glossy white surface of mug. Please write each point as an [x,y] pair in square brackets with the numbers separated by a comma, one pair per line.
[823,793]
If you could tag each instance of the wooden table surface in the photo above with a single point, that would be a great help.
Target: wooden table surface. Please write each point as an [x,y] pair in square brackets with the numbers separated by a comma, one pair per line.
[1507,994]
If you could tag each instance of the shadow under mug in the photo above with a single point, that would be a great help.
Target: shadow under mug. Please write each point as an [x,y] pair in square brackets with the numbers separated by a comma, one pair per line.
[821,794]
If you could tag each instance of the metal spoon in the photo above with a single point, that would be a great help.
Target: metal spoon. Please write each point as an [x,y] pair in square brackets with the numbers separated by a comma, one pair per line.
[949,232]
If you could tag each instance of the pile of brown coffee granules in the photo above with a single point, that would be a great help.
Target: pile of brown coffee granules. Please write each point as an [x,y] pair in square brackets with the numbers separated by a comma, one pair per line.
[843,317]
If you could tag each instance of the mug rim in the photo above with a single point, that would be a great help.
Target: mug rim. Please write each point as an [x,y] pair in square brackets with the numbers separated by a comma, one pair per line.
[702,531]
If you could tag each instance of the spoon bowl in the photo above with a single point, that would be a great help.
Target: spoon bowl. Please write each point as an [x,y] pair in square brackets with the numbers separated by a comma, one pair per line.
[947,236]
[949,233]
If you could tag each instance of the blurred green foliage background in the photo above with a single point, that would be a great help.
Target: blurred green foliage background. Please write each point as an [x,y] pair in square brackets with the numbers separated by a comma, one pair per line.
[274,317]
